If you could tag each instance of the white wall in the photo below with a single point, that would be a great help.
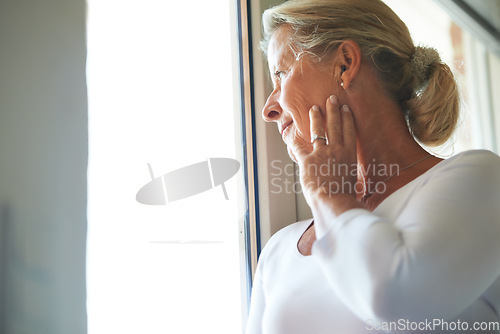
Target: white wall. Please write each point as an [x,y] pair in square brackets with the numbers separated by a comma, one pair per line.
[43,160]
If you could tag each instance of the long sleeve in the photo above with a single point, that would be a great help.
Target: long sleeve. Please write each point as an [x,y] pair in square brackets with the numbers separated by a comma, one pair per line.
[435,253]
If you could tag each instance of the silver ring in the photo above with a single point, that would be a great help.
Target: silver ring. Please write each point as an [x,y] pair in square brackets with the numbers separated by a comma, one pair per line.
[315,137]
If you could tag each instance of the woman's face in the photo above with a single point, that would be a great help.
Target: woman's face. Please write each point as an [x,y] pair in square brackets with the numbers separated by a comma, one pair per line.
[298,85]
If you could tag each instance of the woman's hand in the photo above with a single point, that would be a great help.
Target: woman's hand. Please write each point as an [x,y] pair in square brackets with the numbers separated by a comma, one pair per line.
[328,166]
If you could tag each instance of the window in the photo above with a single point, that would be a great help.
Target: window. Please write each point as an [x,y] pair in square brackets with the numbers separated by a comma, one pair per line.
[163,87]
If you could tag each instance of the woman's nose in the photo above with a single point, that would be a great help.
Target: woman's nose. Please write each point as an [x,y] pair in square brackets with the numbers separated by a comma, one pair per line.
[272,109]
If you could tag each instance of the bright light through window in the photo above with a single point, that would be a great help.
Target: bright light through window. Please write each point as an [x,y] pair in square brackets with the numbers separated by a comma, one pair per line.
[161,92]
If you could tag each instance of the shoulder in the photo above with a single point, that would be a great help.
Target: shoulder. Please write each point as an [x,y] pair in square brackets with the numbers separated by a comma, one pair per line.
[456,183]
[470,178]
[473,158]
[473,164]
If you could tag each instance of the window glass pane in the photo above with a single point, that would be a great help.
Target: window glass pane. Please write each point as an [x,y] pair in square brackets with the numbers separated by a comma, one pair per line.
[160,86]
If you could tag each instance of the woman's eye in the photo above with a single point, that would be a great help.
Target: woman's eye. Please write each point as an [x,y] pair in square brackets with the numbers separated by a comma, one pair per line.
[278,74]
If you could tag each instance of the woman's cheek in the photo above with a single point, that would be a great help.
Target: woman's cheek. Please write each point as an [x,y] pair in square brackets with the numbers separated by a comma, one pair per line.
[295,100]
[303,132]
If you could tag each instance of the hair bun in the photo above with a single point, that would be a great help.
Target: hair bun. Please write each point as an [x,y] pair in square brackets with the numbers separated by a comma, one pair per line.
[421,60]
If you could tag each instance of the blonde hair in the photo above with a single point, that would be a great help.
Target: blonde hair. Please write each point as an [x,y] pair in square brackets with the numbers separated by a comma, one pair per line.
[429,97]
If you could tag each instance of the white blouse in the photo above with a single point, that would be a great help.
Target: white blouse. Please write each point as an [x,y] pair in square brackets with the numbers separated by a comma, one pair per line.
[426,260]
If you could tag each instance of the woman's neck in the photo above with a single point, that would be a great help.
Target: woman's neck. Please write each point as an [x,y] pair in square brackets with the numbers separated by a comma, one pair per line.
[385,145]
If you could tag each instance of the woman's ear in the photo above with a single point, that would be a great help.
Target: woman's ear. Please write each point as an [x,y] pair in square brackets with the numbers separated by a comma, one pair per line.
[349,61]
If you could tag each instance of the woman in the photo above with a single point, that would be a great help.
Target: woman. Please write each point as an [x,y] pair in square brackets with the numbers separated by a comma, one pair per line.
[400,239]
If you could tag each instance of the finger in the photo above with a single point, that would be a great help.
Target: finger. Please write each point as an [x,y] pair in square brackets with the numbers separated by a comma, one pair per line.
[333,121]
[317,129]
[348,129]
